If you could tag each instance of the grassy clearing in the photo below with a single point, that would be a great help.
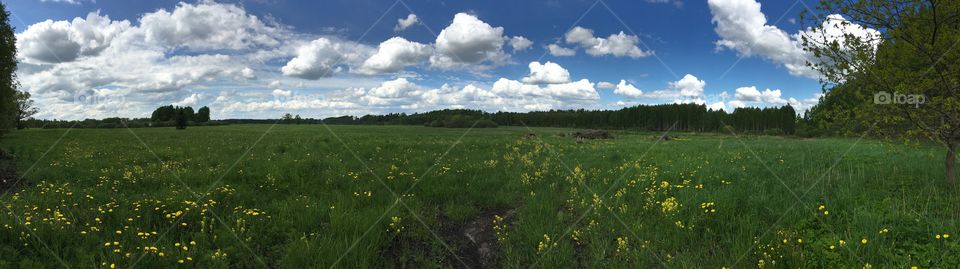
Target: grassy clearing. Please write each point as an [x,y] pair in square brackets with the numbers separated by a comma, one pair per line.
[301,198]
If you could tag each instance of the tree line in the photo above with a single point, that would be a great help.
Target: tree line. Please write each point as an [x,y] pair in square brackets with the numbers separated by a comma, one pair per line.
[677,117]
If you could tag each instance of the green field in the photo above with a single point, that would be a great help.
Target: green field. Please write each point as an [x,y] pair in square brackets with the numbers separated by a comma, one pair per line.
[315,196]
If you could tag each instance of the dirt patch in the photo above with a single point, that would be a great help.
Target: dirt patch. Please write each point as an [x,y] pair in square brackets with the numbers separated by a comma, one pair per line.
[8,171]
[475,242]
[593,134]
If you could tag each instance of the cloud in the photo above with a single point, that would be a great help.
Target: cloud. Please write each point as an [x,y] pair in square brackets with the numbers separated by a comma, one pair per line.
[394,54]
[401,93]
[676,3]
[519,43]
[802,106]
[320,58]
[751,94]
[580,90]
[547,73]
[717,106]
[64,41]
[208,25]
[72,2]
[627,90]
[275,84]
[404,23]
[617,45]
[469,42]
[834,29]
[737,104]
[605,85]
[281,93]
[743,28]
[689,86]
[122,69]
[190,100]
[557,50]
[688,89]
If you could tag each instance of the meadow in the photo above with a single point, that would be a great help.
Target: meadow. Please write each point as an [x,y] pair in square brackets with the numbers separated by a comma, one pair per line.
[317,196]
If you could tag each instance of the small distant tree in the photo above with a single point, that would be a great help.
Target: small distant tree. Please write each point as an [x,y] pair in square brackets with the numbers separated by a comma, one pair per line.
[181,119]
[297,119]
[25,108]
[8,71]
[287,118]
[203,114]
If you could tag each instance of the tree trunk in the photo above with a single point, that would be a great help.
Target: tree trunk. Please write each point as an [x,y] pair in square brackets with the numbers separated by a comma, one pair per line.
[951,163]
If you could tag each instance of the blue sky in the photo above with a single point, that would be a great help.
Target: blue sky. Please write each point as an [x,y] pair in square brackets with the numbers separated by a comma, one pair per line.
[259,59]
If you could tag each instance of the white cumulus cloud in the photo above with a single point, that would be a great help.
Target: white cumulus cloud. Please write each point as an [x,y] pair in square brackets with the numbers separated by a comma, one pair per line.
[64,41]
[557,50]
[689,86]
[547,73]
[743,28]
[394,54]
[468,42]
[519,43]
[208,25]
[627,90]
[320,58]
[404,23]
[618,45]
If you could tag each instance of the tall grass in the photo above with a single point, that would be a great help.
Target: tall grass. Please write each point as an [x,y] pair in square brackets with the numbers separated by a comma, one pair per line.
[313,197]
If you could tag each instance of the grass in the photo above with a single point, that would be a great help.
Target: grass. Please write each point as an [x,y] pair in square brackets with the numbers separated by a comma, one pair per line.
[253,196]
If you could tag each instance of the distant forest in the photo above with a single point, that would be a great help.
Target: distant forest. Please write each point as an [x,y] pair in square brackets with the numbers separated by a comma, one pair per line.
[679,117]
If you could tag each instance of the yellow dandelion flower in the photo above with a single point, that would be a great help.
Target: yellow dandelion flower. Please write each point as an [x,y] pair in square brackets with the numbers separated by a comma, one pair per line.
[864,241]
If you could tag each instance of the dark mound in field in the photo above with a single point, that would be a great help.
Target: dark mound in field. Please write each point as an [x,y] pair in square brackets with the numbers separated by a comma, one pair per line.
[593,134]
[475,243]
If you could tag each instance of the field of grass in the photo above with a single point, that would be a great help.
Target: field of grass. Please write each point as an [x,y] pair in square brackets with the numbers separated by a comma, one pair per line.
[288,196]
